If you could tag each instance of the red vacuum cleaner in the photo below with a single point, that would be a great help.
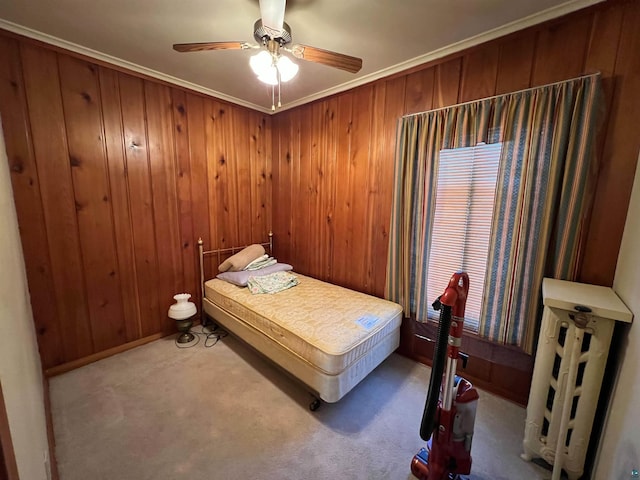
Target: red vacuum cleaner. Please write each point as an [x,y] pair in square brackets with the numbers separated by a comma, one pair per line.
[450,408]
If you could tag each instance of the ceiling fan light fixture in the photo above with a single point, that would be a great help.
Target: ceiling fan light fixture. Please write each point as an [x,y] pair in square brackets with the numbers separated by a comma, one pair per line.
[268,66]
[287,68]
[269,76]
[273,35]
[261,62]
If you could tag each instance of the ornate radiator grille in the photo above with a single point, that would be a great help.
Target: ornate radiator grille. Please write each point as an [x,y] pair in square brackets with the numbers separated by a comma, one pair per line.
[570,361]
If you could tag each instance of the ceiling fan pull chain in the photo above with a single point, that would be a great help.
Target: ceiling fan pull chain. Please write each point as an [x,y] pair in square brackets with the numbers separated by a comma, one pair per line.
[273,98]
[279,82]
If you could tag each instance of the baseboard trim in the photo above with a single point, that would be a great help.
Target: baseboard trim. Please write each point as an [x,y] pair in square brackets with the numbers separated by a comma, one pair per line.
[81,362]
[51,439]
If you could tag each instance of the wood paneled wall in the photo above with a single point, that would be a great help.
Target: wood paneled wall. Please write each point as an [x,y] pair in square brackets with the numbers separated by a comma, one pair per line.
[115,177]
[333,159]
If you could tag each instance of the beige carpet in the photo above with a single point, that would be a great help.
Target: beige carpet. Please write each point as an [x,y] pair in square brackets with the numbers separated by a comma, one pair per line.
[159,412]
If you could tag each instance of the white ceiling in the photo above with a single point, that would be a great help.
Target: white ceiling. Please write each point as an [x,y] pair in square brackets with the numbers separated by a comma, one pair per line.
[388,35]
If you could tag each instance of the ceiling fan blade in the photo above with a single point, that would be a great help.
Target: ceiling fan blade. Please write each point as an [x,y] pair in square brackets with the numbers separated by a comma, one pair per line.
[197,47]
[272,14]
[326,57]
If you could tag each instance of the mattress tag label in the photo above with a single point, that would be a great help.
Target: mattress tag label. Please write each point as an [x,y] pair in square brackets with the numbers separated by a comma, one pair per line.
[368,321]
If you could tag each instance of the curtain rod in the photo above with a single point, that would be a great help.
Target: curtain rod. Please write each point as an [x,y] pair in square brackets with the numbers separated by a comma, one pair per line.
[503,94]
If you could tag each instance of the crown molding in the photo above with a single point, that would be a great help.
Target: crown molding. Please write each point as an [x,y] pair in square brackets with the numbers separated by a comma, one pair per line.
[119,62]
[531,20]
[526,22]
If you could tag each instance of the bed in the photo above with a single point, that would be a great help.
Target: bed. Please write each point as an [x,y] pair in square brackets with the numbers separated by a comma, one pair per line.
[326,336]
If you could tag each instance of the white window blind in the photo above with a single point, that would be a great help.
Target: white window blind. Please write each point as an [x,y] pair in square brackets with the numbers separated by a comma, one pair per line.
[462,223]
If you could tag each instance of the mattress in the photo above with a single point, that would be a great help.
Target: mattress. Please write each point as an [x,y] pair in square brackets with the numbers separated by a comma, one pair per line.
[329,326]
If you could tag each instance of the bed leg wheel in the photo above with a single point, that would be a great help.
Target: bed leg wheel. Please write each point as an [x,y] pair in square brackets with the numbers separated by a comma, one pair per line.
[315,404]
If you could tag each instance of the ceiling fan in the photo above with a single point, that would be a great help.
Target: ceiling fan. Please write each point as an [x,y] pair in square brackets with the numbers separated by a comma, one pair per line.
[273,35]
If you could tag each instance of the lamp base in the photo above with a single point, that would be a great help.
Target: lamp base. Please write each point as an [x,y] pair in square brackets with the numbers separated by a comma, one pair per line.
[183,326]
[186,337]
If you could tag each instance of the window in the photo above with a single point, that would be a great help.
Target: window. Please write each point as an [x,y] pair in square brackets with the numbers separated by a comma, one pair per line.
[462,222]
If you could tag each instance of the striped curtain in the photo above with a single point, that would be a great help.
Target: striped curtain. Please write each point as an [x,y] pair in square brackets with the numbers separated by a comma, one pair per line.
[541,196]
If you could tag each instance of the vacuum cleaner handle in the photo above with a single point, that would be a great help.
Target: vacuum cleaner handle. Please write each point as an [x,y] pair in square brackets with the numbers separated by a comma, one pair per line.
[452,303]
[437,370]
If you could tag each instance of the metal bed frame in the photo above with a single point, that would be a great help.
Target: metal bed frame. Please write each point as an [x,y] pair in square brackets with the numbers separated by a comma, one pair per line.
[220,251]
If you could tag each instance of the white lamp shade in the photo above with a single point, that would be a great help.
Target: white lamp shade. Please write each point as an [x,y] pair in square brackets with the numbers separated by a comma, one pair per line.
[260,62]
[287,69]
[269,76]
[267,71]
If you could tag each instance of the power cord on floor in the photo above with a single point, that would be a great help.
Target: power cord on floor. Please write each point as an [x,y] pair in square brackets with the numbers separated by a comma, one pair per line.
[210,337]
[213,336]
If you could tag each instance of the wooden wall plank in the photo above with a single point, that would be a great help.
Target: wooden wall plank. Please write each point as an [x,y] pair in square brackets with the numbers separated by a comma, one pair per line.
[119,193]
[342,218]
[241,157]
[393,109]
[41,77]
[314,140]
[87,156]
[282,194]
[419,91]
[447,83]
[317,186]
[479,73]
[221,176]
[199,177]
[183,190]
[258,167]
[232,147]
[604,39]
[141,202]
[377,147]
[265,141]
[560,51]
[162,168]
[619,160]
[28,200]
[323,187]
[359,154]
[301,190]
[327,188]
[515,62]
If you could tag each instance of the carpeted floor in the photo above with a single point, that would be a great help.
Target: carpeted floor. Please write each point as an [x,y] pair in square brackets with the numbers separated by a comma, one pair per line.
[159,412]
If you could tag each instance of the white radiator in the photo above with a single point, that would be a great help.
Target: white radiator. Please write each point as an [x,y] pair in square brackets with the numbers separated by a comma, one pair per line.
[573,347]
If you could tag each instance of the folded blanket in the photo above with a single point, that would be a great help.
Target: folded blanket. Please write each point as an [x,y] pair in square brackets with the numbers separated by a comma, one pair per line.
[272,283]
[241,278]
[262,262]
[257,261]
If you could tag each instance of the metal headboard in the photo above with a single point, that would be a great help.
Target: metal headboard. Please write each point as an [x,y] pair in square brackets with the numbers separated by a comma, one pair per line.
[220,251]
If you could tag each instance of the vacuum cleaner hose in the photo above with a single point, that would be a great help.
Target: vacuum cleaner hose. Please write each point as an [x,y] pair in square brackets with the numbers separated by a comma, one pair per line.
[437,370]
